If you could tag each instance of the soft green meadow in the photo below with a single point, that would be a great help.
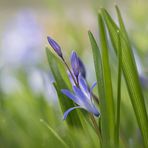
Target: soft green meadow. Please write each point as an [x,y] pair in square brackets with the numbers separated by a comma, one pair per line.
[33,117]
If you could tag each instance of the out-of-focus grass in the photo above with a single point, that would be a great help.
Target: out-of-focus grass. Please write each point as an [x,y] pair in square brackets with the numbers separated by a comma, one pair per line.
[20,120]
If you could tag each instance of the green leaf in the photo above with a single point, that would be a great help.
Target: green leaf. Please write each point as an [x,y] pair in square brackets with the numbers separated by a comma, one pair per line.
[101,90]
[56,135]
[65,103]
[122,27]
[129,71]
[117,127]
[107,80]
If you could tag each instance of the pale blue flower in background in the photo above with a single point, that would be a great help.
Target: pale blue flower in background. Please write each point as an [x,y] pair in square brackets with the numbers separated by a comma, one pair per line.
[22,48]
[142,76]
[22,40]
[41,83]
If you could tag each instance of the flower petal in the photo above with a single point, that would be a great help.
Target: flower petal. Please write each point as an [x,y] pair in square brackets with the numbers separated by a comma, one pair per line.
[92,87]
[94,110]
[75,63]
[69,95]
[83,85]
[85,102]
[82,68]
[68,111]
[79,93]
[82,99]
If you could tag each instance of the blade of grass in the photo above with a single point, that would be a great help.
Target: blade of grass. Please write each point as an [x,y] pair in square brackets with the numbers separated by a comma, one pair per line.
[65,103]
[99,75]
[122,27]
[54,133]
[143,118]
[130,73]
[107,80]
[117,127]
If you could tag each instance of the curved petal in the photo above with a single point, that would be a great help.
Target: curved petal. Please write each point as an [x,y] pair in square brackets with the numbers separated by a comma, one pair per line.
[69,95]
[83,85]
[94,110]
[84,102]
[82,99]
[69,110]
[82,68]
[91,89]
[79,93]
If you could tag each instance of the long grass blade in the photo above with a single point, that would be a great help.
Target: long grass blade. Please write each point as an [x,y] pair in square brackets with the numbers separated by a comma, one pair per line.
[99,75]
[117,127]
[107,80]
[54,133]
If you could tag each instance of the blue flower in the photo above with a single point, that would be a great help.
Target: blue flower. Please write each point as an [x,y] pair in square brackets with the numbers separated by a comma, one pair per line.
[82,97]
[55,46]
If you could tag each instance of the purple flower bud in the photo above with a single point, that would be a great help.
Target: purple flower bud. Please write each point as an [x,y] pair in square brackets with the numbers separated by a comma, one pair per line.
[82,68]
[55,46]
[75,63]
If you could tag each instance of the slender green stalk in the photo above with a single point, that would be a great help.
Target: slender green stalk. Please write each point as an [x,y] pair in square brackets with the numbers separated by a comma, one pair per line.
[96,128]
[54,133]
[118,93]
[70,71]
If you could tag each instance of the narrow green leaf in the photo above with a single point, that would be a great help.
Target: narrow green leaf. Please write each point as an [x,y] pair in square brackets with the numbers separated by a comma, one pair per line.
[118,93]
[130,72]
[112,28]
[138,98]
[99,75]
[65,102]
[122,27]
[107,79]
[54,133]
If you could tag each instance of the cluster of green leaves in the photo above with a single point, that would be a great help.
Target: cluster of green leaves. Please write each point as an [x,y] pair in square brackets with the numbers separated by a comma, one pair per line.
[110,115]
[110,111]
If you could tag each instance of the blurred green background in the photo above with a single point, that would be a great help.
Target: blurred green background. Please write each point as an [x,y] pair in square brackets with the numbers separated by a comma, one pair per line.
[26,91]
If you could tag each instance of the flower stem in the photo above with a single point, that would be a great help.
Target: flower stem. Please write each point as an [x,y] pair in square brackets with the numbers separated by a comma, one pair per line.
[70,71]
[95,98]
[96,128]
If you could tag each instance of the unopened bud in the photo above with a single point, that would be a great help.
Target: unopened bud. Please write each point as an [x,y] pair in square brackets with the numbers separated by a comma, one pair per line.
[75,63]
[55,46]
